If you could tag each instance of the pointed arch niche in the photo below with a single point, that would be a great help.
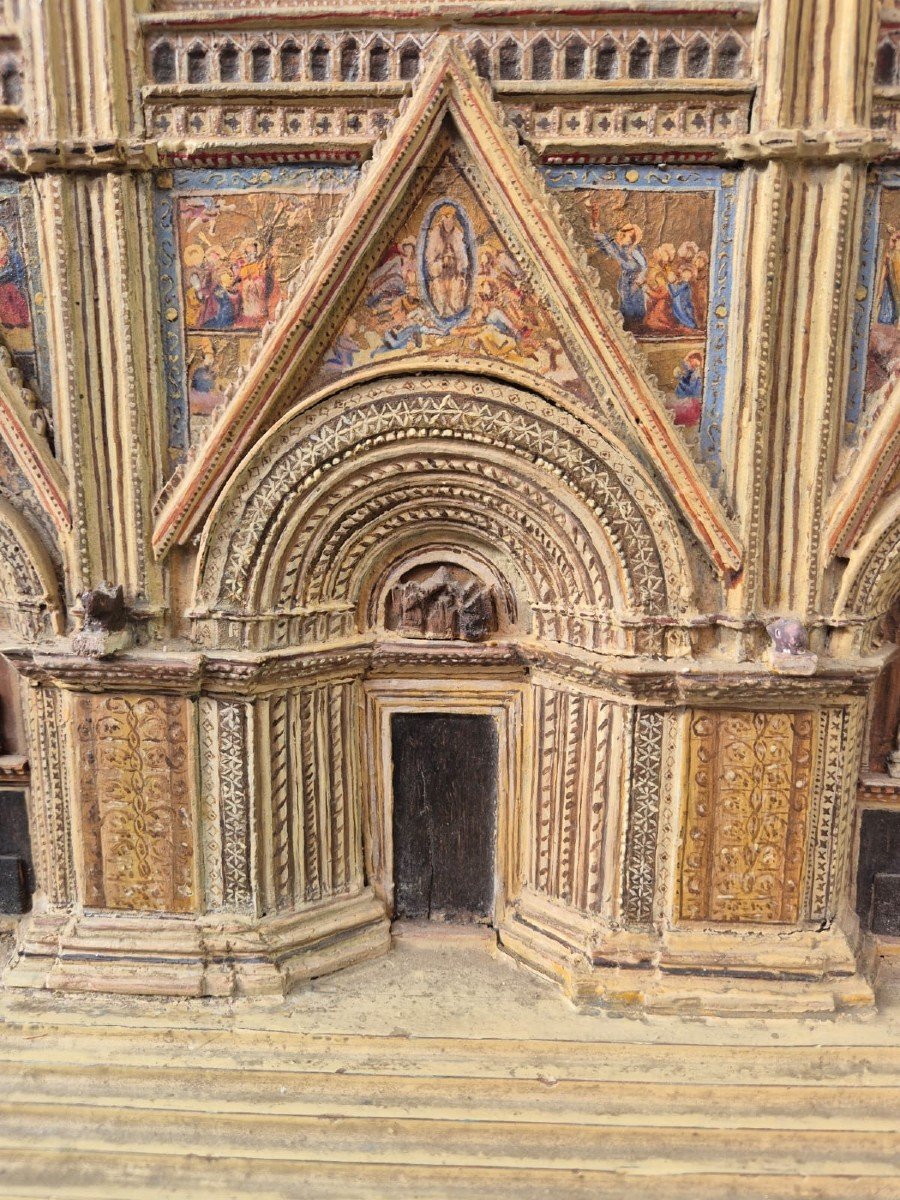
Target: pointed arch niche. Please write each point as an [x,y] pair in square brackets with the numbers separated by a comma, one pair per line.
[438,542]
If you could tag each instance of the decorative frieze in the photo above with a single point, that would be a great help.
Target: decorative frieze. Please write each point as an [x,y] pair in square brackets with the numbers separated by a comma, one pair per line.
[540,54]
[596,122]
[639,878]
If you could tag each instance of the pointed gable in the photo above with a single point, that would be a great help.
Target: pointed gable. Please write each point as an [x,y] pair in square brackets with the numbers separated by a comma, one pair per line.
[449,286]
[620,394]
[23,431]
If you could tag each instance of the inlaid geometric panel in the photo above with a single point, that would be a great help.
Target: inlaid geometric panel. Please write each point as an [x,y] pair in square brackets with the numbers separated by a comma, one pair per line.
[746,816]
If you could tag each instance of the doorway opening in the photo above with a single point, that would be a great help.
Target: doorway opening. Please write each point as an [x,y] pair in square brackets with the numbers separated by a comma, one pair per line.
[445,784]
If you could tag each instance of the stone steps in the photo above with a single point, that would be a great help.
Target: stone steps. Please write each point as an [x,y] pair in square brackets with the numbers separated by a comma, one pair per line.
[227,1046]
[81,1175]
[139,1108]
[261,1092]
[460,1142]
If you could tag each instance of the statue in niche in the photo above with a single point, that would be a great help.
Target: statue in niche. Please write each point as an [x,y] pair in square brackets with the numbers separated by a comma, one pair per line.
[444,603]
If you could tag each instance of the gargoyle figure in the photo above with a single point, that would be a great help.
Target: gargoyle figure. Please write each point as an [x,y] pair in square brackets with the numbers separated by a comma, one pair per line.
[788,636]
[790,653]
[104,608]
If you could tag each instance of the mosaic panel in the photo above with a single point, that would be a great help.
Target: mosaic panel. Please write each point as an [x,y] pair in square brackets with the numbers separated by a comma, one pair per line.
[875,355]
[22,320]
[448,285]
[662,244]
[231,244]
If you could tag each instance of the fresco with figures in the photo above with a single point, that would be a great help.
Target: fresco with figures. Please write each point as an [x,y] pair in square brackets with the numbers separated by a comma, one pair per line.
[661,243]
[875,361]
[449,286]
[232,244]
[22,326]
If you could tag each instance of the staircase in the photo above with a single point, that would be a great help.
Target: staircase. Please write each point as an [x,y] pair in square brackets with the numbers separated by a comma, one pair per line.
[180,1099]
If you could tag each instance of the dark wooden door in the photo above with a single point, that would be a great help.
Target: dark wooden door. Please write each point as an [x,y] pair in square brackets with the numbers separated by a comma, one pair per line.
[445,804]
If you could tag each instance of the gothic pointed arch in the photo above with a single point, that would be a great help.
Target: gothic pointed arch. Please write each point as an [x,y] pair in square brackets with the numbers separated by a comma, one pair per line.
[30,606]
[871,581]
[623,396]
[872,472]
[354,480]
[20,428]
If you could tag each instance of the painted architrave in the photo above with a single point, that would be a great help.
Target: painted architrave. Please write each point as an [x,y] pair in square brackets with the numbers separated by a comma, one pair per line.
[685,179]
[449,88]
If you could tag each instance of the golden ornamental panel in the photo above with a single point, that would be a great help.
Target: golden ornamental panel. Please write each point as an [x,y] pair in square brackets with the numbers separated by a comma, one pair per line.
[746,816]
[134,793]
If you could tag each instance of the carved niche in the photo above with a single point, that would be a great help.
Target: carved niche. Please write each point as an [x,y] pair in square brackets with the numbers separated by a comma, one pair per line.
[443,602]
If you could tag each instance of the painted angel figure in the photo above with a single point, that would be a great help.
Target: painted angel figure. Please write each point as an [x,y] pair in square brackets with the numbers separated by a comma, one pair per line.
[14,312]
[625,247]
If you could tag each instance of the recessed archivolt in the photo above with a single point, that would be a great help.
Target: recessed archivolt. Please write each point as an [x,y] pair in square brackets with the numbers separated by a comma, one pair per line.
[304,521]
[336,551]
[29,597]
[872,579]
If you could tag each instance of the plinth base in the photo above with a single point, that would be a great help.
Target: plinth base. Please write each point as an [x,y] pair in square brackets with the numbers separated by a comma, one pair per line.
[703,971]
[209,956]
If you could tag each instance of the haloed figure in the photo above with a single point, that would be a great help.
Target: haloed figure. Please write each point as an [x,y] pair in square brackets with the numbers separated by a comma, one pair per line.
[625,247]
[447,263]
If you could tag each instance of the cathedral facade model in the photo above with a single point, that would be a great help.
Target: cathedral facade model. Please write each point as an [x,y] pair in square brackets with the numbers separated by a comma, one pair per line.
[450,467]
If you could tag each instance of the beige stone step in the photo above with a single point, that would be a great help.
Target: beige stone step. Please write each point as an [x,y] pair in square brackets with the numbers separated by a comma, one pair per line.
[282,1050]
[423,1141]
[308,1093]
[80,1175]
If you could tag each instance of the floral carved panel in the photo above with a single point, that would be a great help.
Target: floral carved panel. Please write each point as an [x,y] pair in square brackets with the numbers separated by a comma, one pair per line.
[746,816]
[134,791]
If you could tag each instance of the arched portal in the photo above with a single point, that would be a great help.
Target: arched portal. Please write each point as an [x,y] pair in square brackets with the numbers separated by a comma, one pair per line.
[446,545]
[868,616]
